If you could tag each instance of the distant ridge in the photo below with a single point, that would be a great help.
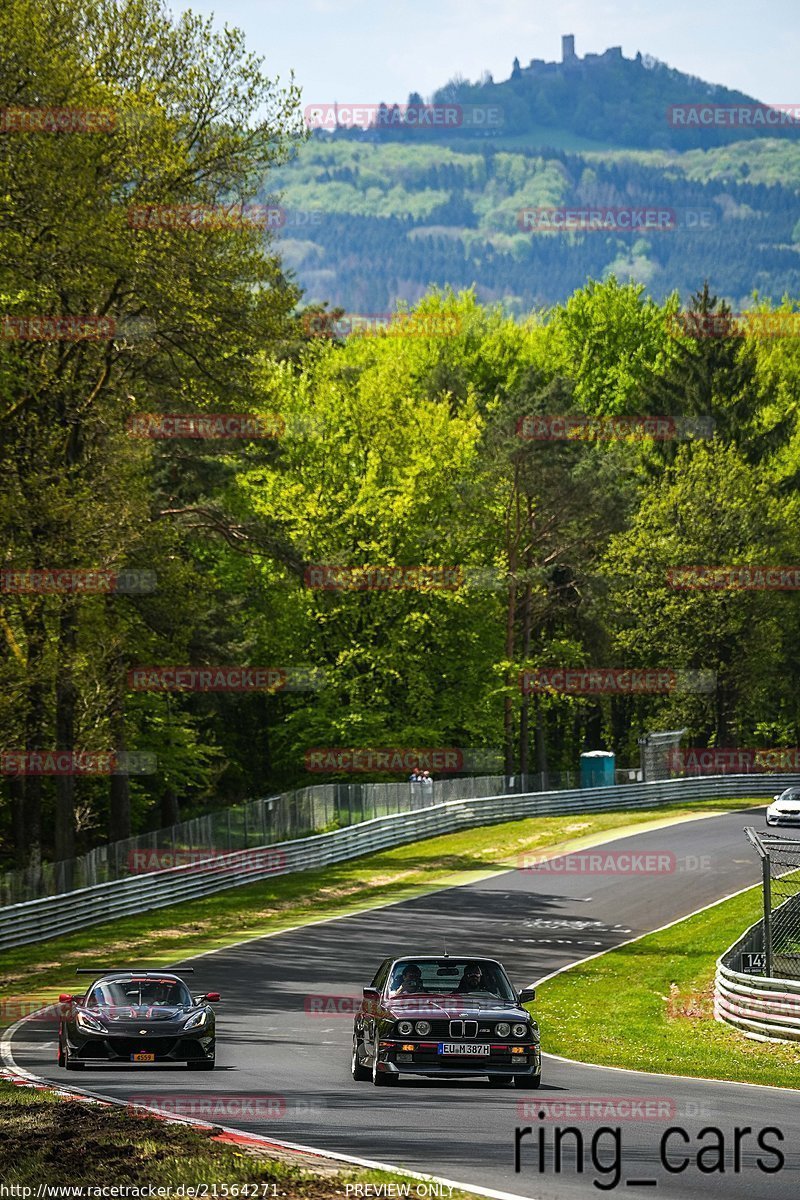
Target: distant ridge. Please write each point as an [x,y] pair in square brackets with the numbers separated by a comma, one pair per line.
[602,98]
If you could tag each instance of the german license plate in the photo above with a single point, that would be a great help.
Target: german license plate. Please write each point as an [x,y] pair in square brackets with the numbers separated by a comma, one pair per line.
[143,1057]
[464,1048]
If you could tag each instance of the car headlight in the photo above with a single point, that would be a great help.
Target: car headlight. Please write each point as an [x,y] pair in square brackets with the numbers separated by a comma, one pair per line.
[520,1030]
[196,1021]
[404,1028]
[84,1021]
[423,1028]
[503,1029]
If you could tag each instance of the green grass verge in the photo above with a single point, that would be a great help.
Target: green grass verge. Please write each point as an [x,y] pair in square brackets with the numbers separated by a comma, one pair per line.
[40,970]
[649,1005]
[45,1141]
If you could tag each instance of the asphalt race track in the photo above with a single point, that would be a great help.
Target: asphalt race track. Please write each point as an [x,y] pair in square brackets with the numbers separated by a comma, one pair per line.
[284,1071]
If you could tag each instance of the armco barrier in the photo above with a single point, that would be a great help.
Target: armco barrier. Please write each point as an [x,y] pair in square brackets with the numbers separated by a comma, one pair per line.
[754,1004]
[37,920]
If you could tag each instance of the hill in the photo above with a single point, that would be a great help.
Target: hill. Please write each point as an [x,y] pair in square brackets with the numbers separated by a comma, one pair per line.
[382,202]
[595,101]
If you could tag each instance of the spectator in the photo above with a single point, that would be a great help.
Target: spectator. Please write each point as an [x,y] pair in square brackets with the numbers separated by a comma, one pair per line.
[415,776]
[427,780]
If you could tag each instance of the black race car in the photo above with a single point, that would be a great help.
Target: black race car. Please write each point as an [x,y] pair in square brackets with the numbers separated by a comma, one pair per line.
[445,1017]
[137,1017]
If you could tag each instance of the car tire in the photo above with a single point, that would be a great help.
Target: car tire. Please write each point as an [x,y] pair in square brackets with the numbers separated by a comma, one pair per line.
[360,1073]
[69,1061]
[381,1078]
[61,1059]
[528,1081]
[202,1064]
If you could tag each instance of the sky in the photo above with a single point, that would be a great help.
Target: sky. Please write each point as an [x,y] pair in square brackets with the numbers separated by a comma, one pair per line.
[366,51]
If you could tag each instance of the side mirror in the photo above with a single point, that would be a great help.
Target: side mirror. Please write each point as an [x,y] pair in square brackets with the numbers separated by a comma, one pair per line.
[65,998]
[371,993]
[527,995]
[212,997]
[776,797]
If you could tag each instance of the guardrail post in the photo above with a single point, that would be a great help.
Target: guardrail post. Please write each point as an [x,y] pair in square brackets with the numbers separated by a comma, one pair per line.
[767,889]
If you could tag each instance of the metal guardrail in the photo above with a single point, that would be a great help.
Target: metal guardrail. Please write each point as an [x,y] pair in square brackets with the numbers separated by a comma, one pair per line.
[51,916]
[759,1006]
[265,821]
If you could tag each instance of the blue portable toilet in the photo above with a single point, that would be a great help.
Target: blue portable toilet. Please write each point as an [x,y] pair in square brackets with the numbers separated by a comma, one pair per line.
[597,768]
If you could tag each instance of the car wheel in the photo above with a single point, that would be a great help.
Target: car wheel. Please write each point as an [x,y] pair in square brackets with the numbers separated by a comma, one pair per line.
[202,1064]
[381,1078]
[360,1073]
[69,1061]
[528,1081]
[501,1081]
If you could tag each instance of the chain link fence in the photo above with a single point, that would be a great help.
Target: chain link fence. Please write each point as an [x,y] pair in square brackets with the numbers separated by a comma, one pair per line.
[656,751]
[262,822]
[778,955]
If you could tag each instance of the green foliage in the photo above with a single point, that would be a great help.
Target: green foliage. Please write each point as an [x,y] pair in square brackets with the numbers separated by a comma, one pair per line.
[400,448]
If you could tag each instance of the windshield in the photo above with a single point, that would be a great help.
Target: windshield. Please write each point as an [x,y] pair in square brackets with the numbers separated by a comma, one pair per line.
[450,977]
[139,993]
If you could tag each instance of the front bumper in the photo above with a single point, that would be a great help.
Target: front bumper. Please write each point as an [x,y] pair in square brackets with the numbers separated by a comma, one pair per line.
[122,1048]
[399,1058]
[783,818]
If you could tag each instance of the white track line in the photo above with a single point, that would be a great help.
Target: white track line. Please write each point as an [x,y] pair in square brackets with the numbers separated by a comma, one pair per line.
[7,1057]
[629,942]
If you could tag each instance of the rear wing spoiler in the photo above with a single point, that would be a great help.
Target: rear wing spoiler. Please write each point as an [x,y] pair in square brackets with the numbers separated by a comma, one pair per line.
[134,971]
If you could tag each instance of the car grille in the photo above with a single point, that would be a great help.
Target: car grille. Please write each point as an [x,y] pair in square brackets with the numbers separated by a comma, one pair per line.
[455,1030]
[94,1049]
[463,1029]
[160,1046]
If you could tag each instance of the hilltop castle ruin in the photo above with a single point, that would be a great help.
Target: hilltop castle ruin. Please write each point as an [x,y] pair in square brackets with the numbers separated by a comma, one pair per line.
[569,60]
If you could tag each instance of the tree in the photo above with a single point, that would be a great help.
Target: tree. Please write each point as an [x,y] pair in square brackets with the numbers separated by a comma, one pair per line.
[177,313]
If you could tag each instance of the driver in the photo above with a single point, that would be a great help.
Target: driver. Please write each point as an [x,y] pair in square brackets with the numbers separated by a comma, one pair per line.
[156,994]
[410,981]
[475,979]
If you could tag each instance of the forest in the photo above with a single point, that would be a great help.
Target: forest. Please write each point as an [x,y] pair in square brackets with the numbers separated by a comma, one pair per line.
[364,225]
[233,533]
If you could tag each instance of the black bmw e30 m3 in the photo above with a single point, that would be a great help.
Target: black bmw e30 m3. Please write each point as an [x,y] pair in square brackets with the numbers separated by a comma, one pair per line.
[137,1016]
[445,1017]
